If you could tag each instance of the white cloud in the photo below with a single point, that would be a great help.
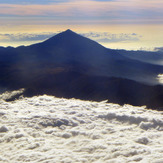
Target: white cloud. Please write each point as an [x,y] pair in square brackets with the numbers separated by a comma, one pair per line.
[10,94]
[25,37]
[160,49]
[49,129]
[111,37]
[160,78]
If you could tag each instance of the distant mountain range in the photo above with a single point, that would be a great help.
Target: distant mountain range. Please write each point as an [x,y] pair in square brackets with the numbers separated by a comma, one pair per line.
[70,65]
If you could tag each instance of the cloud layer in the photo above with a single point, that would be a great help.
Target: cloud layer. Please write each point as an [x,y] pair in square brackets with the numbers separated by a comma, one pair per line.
[101,37]
[48,129]
[25,37]
[106,37]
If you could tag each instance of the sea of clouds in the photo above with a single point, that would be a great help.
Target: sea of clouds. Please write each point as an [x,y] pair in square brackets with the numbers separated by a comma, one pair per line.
[47,129]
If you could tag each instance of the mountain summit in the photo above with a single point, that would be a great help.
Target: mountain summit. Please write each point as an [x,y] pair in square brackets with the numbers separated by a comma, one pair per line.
[65,34]
[70,40]
[69,31]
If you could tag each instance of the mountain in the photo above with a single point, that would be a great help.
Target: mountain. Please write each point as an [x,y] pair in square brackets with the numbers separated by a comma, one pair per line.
[70,65]
[72,49]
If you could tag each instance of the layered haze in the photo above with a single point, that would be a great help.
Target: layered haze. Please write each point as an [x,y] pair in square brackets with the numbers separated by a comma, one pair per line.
[115,17]
[146,37]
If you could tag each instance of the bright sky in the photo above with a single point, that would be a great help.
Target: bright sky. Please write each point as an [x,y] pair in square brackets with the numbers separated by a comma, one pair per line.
[129,24]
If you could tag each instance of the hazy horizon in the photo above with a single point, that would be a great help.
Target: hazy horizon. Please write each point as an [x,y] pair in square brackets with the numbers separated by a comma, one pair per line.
[128,37]
[116,24]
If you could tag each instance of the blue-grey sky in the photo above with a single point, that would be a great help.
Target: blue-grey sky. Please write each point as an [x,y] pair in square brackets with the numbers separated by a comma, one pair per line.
[127,11]
[40,1]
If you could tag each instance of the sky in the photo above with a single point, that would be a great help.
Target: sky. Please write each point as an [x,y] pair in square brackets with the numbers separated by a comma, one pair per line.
[118,18]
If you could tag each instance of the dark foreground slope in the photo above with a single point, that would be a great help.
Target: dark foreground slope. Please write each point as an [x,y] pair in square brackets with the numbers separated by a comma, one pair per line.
[69,65]
[73,84]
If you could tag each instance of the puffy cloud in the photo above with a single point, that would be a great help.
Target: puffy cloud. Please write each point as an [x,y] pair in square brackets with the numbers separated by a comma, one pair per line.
[11,94]
[160,78]
[160,49]
[25,37]
[110,37]
[49,129]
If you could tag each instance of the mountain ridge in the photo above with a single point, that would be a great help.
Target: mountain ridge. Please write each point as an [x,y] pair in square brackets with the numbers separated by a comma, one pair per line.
[75,66]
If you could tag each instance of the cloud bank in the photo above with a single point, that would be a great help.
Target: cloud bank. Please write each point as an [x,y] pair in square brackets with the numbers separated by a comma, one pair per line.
[48,129]
[25,37]
[106,37]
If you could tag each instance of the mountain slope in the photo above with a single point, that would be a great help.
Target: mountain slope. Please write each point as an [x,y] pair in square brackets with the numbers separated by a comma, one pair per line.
[144,56]
[72,49]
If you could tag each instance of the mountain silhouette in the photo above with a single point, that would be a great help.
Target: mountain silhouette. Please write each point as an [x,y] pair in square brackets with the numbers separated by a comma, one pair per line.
[70,65]
[91,57]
